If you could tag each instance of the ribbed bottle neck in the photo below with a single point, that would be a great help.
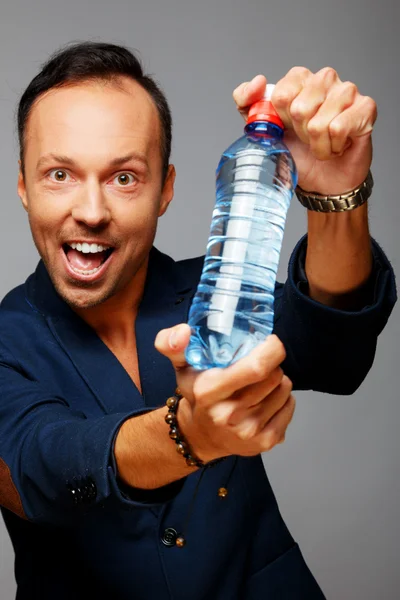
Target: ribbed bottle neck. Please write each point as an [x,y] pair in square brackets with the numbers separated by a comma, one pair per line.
[264,128]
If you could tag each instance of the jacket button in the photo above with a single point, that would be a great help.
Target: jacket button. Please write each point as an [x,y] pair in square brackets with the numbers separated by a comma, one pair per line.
[169,537]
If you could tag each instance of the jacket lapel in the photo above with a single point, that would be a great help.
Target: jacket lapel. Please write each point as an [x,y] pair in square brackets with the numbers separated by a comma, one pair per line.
[97,365]
[165,303]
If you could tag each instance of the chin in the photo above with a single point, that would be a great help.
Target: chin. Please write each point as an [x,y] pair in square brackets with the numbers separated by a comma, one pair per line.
[83,303]
[82,298]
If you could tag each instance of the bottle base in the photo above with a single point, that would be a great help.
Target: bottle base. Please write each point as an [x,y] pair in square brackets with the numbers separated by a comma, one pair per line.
[219,351]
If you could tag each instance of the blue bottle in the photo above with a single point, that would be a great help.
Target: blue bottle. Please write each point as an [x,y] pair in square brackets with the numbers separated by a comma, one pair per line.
[233,308]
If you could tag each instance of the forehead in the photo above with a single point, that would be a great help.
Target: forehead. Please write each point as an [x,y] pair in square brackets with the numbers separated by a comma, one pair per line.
[94,119]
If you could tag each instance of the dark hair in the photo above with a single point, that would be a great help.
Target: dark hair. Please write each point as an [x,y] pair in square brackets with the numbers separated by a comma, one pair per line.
[84,61]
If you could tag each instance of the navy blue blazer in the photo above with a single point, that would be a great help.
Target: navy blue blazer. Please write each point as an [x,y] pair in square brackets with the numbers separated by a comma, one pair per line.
[76,531]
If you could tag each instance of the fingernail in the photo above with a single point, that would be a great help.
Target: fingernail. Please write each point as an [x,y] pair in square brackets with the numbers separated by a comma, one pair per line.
[246,431]
[173,339]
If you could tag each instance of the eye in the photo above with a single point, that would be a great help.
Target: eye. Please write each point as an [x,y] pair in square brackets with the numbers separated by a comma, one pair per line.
[124,179]
[58,175]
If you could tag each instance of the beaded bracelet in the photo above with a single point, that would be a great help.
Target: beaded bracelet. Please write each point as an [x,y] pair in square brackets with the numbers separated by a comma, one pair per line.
[182,447]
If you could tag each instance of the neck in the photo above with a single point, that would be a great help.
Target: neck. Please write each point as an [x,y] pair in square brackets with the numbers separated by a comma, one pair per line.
[114,319]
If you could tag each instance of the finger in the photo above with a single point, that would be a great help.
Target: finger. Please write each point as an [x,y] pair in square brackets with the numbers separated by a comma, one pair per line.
[309,101]
[172,343]
[286,90]
[356,121]
[253,424]
[249,92]
[255,367]
[235,410]
[339,98]
[274,431]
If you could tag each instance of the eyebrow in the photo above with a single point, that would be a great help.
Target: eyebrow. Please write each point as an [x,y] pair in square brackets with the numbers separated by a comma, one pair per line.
[66,160]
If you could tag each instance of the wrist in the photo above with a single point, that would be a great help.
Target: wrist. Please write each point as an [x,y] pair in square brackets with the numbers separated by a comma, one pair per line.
[200,442]
[144,455]
[330,200]
[339,257]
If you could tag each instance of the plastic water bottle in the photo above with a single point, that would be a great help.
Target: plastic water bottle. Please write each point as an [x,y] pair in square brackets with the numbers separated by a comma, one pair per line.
[233,308]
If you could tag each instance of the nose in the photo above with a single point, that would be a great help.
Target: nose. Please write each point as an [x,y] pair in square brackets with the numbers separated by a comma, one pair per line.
[91,207]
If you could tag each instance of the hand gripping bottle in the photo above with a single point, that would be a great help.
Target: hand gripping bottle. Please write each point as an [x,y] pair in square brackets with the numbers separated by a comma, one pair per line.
[233,308]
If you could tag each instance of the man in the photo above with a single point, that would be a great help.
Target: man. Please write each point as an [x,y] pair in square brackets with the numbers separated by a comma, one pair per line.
[96,499]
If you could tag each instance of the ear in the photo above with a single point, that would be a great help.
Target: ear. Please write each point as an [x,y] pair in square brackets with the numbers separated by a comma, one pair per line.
[168,190]
[21,189]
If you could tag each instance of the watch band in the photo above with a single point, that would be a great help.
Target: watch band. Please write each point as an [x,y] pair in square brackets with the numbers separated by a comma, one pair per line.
[342,202]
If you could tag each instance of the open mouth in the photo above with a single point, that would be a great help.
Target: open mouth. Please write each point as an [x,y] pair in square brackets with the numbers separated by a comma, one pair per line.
[86,259]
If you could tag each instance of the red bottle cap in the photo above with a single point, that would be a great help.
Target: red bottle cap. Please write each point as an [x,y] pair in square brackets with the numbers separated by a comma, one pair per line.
[263,110]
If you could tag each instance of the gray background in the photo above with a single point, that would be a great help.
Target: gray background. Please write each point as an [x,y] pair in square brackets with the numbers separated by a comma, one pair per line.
[337,476]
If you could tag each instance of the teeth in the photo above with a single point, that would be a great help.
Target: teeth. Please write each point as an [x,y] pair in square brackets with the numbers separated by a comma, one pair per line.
[81,272]
[88,248]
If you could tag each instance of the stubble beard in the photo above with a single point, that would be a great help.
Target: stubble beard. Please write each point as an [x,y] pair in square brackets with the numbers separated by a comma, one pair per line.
[87,301]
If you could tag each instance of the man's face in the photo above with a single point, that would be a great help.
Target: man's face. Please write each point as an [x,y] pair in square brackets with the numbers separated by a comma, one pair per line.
[93,186]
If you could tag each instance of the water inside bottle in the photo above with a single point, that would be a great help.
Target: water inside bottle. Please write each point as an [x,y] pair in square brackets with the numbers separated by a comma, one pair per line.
[233,309]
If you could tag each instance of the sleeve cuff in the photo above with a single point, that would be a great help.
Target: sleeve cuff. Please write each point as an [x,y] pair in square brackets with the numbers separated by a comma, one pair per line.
[378,292]
[131,497]
[147,498]
[329,349]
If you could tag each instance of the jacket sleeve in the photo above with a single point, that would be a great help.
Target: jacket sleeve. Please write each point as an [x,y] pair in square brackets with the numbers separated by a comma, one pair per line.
[55,464]
[331,350]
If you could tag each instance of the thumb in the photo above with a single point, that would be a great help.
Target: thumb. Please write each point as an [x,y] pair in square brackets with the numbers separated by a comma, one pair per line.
[172,343]
[249,92]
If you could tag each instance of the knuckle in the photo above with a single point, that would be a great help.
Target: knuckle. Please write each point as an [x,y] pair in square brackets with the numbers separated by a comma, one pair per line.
[220,413]
[369,105]
[265,447]
[272,438]
[349,89]
[327,74]
[259,368]
[281,97]
[287,384]
[277,376]
[275,438]
[246,432]
[336,128]
[299,71]
[314,128]
[298,110]
[336,125]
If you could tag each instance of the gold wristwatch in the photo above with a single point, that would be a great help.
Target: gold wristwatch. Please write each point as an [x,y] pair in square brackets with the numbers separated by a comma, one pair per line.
[343,202]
